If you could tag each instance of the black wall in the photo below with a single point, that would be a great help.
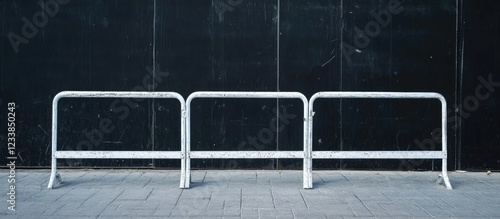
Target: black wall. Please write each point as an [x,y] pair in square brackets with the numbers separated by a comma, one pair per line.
[450,47]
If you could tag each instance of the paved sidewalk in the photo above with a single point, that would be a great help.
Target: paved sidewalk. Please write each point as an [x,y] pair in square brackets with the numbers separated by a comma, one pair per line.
[252,194]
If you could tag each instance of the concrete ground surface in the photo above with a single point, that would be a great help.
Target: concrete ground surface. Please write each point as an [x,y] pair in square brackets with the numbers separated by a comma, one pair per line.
[251,194]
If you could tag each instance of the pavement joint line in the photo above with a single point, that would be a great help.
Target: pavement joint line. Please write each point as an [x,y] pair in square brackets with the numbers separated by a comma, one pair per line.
[57,199]
[116,197]
[346,178]
[55,211]
[474,199]
[321,178]
[204,175]
[272,196]
[123,178]
[363,205]
[424,209]
[150,192]
[88,198]
[304,199]
[178,197]
[387,197]
[145,184]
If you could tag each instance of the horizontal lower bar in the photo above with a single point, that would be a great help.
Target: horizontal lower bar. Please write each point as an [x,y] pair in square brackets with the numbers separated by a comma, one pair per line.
[378,154]
[118,154]
[245,154]
[250,154]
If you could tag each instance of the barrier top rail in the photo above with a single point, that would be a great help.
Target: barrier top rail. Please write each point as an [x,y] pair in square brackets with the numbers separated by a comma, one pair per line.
[385,154]
[248,154]
[117,94]
[245,94]
[114,154]
[367,94]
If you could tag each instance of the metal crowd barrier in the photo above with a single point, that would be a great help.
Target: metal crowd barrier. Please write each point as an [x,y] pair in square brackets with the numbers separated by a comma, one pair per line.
[185,155]
[384,154]
[114,154]
[305,154]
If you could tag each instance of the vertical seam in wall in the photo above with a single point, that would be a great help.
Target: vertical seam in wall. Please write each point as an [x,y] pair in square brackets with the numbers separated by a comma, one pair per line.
[462,52]
[277,75]
[153,113]
[212,38]
[341,74]
[90,45]
[154,41]
[459,82]
[457,20]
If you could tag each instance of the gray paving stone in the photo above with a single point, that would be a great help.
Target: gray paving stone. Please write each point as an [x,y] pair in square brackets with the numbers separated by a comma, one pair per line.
[249,212]
[360,210]
[490,212]
[257,201]
[92,212]
[337,210]
[232,212]
[317,201]
[133,193]
[369,195]
[253,194]
[55,217]
[216,203]
[187,212]
[404,210]
[437,212]
[54,207]
[273,213]
[128,213]
[213,212]
[162,213]
[160,194]
[136,204]
[289,202]
[360,217]
[300,213]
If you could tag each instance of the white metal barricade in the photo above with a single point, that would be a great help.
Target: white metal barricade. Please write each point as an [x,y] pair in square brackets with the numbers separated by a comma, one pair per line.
[305,154]
[383,154]
[115,154]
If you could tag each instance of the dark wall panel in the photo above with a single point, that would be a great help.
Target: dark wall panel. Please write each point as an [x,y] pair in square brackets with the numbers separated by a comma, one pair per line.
[407,46]
[86,45]
[285,45]
[221,46]
[310,62]
[370,46]
[481,86]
